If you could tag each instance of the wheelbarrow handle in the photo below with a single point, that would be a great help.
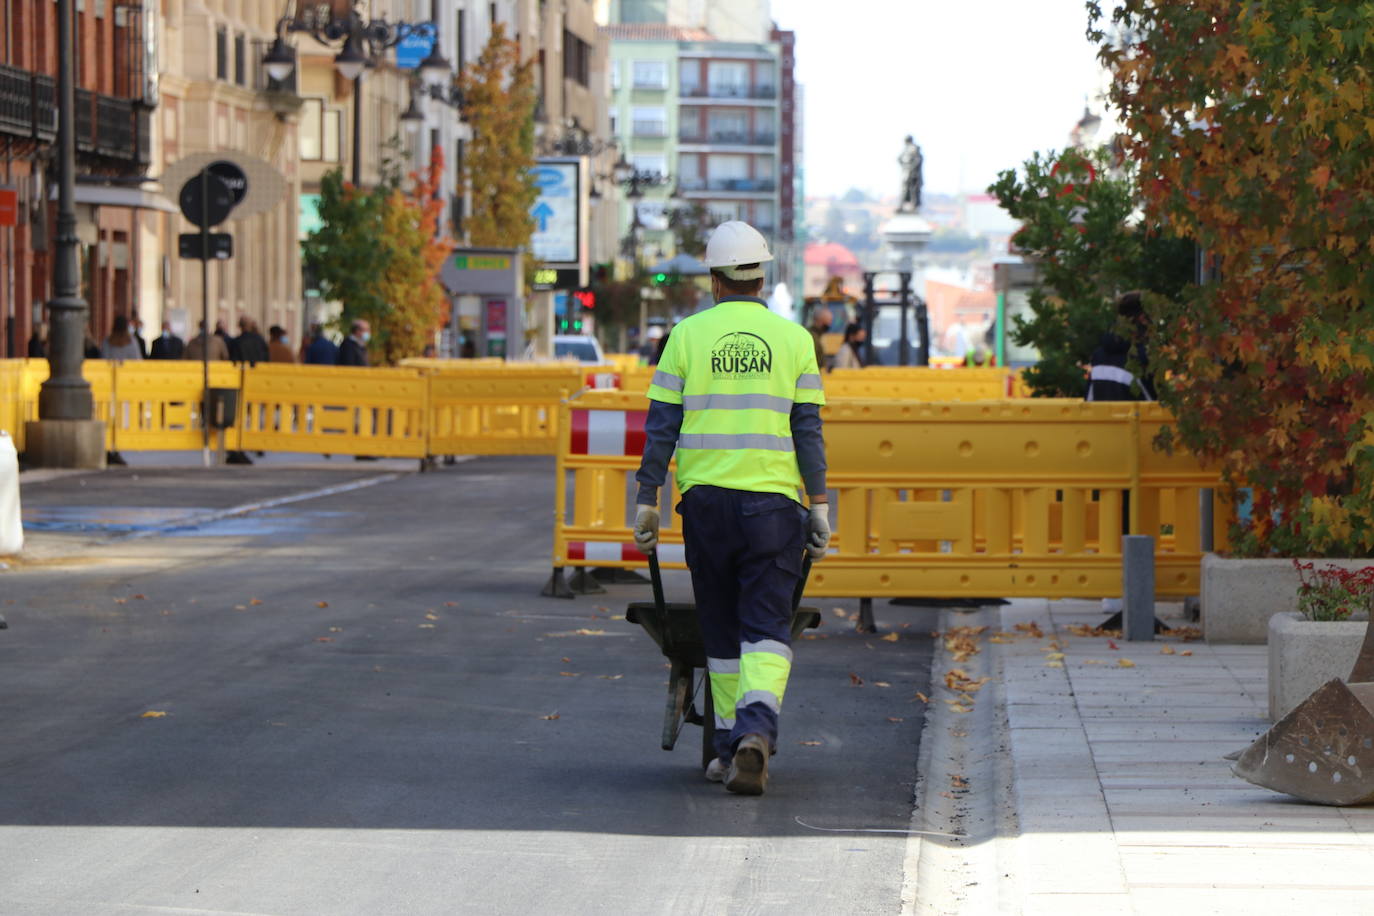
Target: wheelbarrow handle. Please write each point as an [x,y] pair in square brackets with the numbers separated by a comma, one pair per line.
[656,577]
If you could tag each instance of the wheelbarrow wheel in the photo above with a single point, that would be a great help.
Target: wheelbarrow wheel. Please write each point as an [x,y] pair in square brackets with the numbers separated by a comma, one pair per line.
[679,694]
[708,723]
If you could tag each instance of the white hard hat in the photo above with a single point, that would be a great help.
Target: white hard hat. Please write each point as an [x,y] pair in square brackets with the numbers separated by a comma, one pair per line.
[736,243]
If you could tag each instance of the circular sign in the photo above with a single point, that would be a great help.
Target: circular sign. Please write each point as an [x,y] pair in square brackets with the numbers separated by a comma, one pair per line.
[206,200]
[231,175]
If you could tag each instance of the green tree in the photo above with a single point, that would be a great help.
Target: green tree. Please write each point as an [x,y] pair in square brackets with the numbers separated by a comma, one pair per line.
[1249,124]
[342,254]
[499,96]
[1076,226]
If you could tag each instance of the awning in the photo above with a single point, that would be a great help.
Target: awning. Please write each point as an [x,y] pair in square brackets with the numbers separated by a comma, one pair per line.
[101,195]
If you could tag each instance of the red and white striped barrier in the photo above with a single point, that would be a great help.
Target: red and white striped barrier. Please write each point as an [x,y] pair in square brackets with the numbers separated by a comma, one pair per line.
[603,380]
[617,551]
[608,432]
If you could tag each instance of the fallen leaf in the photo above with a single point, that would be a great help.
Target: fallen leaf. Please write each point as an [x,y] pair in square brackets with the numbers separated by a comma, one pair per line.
[881,684]
[922,697]
[961,709]
[121,601]
[998,639]
[153,714]
[1032,629]
[1092,661]
[450,604]
[1054,664]
[139,597]
[1167,650]
[240,607]
[426,626]
[839,612]
[1187,634]
[1054,656]
[336,629]
[585,632]
[1125,663]
[895,719]
[958,680]
[566,660]
[610,677]
[255,601]
[809,743]
[947,795]
[617,617]
[1186,652]
[324,639]
[1112,645]
[855,680]
[891,637]
[550,717]
[604,610]
[958,782]
[430,615]
[321,604]
[569,674]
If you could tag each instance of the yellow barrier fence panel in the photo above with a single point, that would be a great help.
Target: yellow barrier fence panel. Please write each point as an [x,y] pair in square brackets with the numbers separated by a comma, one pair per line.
[12,400]
[334,410]
[992,499]
[98,373]
[157,404]
[499,412]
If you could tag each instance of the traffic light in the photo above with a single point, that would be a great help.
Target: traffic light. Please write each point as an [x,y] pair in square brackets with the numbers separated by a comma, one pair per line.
[586,298]
[662,279]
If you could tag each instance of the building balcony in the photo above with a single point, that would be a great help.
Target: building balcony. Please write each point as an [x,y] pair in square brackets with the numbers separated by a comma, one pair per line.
[728,138]
[727,185]
[106,126]
[762,93]
[649,129]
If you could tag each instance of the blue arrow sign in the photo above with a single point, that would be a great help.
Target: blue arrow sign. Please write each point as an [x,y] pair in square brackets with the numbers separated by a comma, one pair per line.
[542,214]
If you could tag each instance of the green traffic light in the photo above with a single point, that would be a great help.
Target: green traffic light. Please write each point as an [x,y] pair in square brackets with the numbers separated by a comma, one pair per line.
[660,279]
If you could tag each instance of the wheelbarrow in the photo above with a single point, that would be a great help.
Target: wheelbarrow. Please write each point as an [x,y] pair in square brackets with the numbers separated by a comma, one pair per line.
[675,628]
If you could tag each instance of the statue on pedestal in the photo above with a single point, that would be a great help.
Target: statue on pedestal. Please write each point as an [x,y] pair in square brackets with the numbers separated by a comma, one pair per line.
[911,161]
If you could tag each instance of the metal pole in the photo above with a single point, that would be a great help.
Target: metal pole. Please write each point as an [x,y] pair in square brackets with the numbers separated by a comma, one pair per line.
[205,309]
[66,395]
[869,309]
[922,333]
[1138,587]
[1002,328]
[904,345]
[358,131]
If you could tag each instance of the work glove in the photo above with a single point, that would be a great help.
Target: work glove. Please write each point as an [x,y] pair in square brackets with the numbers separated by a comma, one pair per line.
[646,529]
[818,531]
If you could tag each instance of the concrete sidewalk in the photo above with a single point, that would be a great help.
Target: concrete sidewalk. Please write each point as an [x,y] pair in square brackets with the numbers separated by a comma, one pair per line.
[1114,795]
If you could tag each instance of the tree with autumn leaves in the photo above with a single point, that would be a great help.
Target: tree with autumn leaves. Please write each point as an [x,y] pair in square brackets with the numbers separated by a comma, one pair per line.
[378,252]
[1252,127]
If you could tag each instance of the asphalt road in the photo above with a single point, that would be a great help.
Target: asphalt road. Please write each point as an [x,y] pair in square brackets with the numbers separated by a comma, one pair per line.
[359,704]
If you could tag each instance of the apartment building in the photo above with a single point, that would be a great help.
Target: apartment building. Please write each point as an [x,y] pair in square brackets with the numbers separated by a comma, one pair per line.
[717,118]
[116,94]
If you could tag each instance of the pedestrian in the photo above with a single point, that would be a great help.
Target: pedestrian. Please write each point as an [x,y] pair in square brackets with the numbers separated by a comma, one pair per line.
[1108,377]
[469,348]
[136,328]
[38,342]
[850,355]
[249,347]
[321,351]
[120,344]
[195,347]
[738,396]
[168,345]
[279,349]
[821,319]
[89,348]
[229,345]
[353,351]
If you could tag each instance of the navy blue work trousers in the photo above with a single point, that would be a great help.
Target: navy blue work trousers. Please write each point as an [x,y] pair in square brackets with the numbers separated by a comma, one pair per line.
[745,553]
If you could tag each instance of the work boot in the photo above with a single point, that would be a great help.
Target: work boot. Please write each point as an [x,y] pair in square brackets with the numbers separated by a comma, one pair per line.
[749,770]
[716,770]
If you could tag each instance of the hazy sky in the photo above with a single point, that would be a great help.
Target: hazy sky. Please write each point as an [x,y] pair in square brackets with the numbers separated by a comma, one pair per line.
[980,84]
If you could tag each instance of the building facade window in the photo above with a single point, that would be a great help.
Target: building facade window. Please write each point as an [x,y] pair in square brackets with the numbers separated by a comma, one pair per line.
[649,121]
[650,74]
[651,163]
[320,131]
[577,60]
[727,125]
[689,77]
[728,78]
[221,53]
[241,59]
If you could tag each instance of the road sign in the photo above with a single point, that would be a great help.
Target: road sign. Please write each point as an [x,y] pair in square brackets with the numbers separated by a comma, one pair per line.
[233,176]
[221,245]
[415,47]
[199,211]
[560,214]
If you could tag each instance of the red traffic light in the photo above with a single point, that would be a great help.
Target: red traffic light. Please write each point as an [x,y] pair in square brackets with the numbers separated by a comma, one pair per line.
[585,298]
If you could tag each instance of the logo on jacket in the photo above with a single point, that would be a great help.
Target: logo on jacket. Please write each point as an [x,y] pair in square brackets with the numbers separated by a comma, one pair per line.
[741,355]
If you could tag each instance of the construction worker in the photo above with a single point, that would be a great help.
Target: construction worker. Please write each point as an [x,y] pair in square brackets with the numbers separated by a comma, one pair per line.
[738,395]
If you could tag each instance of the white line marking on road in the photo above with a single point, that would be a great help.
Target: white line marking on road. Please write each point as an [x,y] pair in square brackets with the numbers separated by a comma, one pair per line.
[905,832]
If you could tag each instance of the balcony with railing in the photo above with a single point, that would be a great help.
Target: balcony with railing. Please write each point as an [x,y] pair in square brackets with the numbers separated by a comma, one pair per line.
[728,137]
[727,185]
[106,126]
[650,129]
[730,91]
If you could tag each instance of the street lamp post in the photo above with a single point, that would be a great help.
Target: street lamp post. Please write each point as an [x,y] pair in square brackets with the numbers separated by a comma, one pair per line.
[361,43]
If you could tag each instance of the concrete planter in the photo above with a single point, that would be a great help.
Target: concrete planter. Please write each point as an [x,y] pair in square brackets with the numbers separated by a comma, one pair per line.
[1304,654]
[1239,596]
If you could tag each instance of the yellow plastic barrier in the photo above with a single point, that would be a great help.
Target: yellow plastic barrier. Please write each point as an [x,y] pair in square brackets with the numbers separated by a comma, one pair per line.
[98,373]
[11,401]
[334,410]
[157,404]
[1011,498]
[498,412]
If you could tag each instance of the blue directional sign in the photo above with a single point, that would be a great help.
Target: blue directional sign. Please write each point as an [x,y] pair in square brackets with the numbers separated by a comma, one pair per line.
[415,47]
[557,212]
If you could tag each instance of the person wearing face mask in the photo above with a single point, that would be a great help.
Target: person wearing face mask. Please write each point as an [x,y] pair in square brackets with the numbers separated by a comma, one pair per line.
[353,351]
[278,348]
